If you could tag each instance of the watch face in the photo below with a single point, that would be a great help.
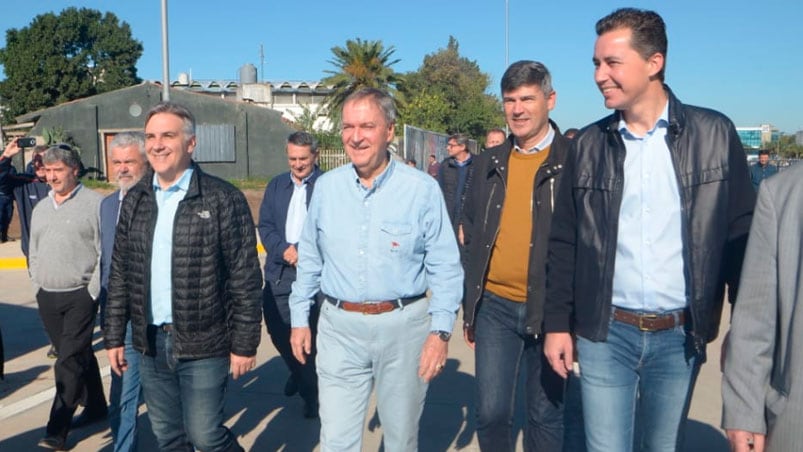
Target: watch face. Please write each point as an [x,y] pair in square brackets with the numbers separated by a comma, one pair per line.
[444,336]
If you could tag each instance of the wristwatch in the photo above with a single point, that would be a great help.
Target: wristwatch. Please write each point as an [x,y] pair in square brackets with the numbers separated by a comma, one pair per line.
[442,335]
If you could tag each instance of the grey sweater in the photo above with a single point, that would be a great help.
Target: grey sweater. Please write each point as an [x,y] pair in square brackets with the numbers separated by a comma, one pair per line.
[65,243]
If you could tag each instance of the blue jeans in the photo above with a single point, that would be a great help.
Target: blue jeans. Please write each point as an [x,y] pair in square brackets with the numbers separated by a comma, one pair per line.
[637,376]
[502,350]
[185,398]
[124,400]
[357,352]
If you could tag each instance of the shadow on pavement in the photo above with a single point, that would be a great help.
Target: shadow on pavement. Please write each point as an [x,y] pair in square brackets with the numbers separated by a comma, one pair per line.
[22,330]
[265,384]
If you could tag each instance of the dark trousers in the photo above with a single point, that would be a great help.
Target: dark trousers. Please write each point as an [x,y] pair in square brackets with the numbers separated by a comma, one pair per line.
[6,212]
[69,318]
[279,331]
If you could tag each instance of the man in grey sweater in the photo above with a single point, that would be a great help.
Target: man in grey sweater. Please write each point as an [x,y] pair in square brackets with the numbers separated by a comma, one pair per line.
[64,264]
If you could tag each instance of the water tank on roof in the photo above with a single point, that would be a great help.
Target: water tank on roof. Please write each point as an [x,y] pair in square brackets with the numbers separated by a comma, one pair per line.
[248,74]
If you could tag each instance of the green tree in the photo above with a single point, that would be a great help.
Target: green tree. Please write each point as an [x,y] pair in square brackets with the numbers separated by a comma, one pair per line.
[57,58]
[448,94]
[360,64]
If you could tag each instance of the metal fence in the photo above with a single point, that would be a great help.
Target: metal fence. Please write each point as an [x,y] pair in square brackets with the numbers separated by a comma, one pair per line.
[331,158]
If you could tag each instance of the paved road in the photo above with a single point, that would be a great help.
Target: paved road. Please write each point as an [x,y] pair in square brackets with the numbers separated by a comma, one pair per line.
[257,411]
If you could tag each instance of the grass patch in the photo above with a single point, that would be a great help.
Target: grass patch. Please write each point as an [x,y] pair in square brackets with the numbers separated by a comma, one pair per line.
[251,183]
[98,184]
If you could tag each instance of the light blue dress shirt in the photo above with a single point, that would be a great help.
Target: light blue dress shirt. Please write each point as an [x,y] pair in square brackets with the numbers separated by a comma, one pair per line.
[648,275]
[167,201]
[391,241]
[296,211]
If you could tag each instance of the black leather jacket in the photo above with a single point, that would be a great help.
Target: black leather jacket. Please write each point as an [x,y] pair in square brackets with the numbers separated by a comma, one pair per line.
[716,206]
[481,214]
[217,283]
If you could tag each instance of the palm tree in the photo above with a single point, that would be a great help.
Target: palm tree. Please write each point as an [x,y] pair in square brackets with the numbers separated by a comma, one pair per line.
[361,64]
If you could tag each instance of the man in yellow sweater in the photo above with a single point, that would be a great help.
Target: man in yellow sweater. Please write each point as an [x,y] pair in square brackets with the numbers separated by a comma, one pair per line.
[506,221]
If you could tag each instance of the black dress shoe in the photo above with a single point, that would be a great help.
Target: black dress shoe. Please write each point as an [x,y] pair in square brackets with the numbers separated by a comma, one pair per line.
[52,443]
[290,387]
[86,419]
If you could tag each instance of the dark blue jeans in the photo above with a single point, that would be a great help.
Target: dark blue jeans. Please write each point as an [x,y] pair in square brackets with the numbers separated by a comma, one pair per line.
[185,399]
[502,350]
[124,399]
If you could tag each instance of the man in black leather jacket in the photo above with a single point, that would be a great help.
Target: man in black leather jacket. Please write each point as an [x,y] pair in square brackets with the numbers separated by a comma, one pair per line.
[185,271]
[649,225]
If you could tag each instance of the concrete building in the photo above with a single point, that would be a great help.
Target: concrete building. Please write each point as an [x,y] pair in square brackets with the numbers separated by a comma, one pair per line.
[235,140]
[299,102]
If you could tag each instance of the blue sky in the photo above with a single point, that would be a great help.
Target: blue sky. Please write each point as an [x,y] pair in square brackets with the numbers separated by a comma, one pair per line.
[744,58]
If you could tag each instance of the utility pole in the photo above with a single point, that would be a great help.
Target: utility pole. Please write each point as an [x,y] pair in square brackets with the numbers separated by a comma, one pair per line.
[165,56]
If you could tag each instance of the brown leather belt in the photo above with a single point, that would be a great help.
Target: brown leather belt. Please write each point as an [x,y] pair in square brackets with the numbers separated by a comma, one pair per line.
[373,307]
[650,322]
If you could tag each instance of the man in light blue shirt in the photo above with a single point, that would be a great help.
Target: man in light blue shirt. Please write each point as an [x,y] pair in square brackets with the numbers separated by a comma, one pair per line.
[376,239]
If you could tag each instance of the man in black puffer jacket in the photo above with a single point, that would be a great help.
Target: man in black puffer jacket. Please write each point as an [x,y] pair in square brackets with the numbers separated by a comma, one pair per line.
[185,271]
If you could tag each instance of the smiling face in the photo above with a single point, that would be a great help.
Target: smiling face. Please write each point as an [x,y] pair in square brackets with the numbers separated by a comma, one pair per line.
[622,75]
[301,161]
[168,147]
[366,135]
[527,113]
[129,166]
[61,177]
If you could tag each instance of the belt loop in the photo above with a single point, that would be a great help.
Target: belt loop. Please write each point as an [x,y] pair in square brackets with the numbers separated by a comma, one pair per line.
[399,303]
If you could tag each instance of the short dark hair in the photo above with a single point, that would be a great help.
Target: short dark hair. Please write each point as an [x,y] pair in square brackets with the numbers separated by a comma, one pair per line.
[764,152]
[526,72]
[647,28]
[177,110]
[304,139]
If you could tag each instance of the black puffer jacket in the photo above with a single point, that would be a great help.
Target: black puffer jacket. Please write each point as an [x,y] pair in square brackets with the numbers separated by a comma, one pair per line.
[481,215]
[716,206]
[216,277]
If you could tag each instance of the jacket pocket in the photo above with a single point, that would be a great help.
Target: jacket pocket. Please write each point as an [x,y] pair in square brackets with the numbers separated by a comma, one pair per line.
[585,181]
[704,176]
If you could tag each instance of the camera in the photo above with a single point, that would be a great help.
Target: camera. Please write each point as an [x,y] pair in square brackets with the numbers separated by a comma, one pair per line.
[26,142]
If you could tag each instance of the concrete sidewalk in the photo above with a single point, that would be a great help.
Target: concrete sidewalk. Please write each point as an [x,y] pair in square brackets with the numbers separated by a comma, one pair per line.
[257,411]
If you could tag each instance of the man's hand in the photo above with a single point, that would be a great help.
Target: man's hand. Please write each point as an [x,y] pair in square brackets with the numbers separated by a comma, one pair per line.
[117,360]
[433,357]
[241,364]
[559,351]
[11,149]
[742,441]
[301,343]
[291,255]
[468,336]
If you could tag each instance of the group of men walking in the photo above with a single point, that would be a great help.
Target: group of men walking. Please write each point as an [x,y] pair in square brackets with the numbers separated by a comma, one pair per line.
[596,267]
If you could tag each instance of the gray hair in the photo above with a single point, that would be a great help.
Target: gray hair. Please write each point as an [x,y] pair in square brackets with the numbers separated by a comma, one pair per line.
[304,139]
[381,98]
[526,73]
[460,138]
[64,153]
[177,110]
[126,139]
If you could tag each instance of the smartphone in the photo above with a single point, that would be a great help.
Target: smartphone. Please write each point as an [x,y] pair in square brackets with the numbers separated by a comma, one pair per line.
[26,142]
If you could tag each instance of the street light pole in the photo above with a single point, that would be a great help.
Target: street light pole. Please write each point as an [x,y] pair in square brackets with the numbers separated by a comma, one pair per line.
[507,33]
[165,56]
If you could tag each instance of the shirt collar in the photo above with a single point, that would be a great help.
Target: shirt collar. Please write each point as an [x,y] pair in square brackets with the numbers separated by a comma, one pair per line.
[663,122]
[72,194]
[540,146]
[304,181]
[381,178]
[183,182]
